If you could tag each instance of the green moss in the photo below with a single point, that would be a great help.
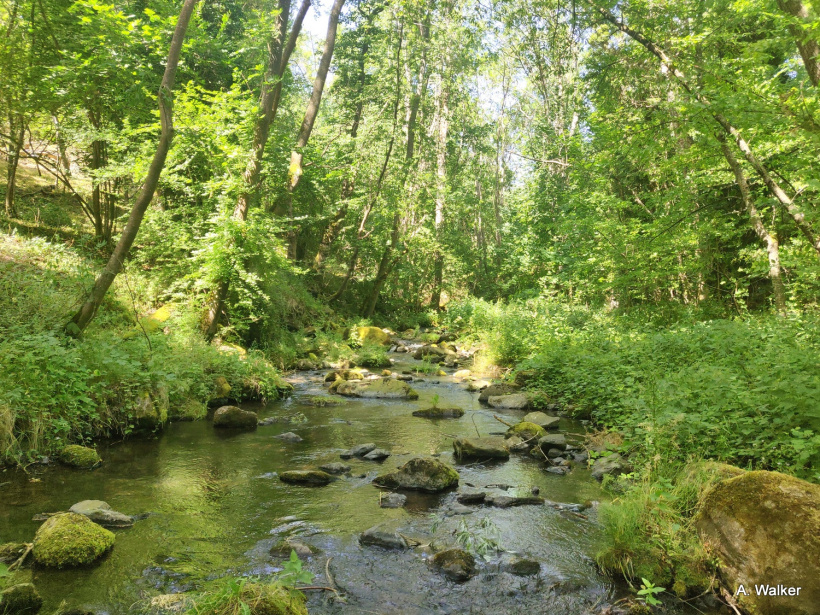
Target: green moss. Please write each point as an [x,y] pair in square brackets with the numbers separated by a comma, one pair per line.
[322,401]
[78,456]
[21,599]
[69,539]
[188,410]
[421,474]
[435,412]
[237,597]
[526,430]
[11,551]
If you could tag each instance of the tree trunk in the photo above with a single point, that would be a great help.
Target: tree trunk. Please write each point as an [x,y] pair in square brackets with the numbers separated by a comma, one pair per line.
[796,214]
[807,46]
[441,191]
[14,161]
[278,58]
[129,233]
[772,248]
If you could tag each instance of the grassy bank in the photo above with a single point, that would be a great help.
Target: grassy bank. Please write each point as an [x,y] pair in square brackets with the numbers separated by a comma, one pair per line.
[667,390]
[55,390]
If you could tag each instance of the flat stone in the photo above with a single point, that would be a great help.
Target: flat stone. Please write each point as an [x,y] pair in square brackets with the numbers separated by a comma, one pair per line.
[376,536]
[335,468]
[392,500]
[553,440]
[476,497]
[358,451]
[542,420]
[288,437]
[100,513]
[492,447]
[439,413]
[377,454]
[313,478]
[458,509]
[507,501]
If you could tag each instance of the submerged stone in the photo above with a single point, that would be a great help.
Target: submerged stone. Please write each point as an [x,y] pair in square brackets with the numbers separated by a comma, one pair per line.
[376,536]
[506,501]
[69,539]
[78,456]
[358,451]
[289,437]
[519,566]
[21,599]
[392,500]
[455,564]
[100,512]
[233,417]
[335,468]
[439,413]
[491,447]
[313,478]
[321,401]
[420,474]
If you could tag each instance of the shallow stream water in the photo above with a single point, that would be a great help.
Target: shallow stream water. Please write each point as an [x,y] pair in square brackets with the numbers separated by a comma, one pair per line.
[215,507]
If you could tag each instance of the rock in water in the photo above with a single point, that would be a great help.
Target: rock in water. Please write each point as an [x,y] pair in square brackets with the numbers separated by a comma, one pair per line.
[519,566]
[480,448]
[495,390]
[358,451]
[372,335]
[100,512]
[542,420]
[382,538]
[439,413]
[393,500]
[506,501]
[236,418]
[455,564]
[613,465]
[527,431]
[335,468]
[21,599]
[312,478]
[553,440]
[79,457]
[382,388]
[765,529]
[12,551]
[516,401]
[69,539]
[420,474]
[288,437]
[377,454]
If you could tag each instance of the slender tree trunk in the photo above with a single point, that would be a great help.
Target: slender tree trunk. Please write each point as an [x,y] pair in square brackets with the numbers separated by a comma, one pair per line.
[295,168]
[772,247]
[129,233]
[14,160]
[441,191]
[278,58]
[807,46]
[794,211]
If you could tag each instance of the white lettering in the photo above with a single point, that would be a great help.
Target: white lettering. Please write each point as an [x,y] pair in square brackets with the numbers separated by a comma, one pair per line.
[741,590]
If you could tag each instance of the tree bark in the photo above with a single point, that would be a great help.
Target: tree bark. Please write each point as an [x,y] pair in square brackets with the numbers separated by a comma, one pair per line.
[129,233]
[441,191]
[14,161]
[795,213]
[808,47]
[278,58]
[772,247]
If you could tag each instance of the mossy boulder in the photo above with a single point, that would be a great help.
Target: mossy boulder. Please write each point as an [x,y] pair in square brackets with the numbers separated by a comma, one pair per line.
[382,388]
[311,478]
[480,448]
[150,409]
[497,389]
[344,374]
[78,456]
[69,539]
[322,401]
[420,474]
[455,564]
[371,335]
[764,528]
[222,387]
[233,417]
[21,599]
[436,412]
[527,431]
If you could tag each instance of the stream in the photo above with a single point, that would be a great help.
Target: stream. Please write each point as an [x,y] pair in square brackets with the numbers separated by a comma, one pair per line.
[214,507]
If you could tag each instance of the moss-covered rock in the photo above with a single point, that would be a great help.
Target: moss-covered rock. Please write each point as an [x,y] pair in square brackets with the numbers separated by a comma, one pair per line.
[233,417]
[78,456]
[527,431]
[420,474]
[497,389]
[70,539]
[322,401]
[21,599]
[542,420]
[150,409]
[222,387]
[436,412]
[382,388]
[456,564]
[764,527]
[372,335]
[491,447]
[344,374]
[311,478]
[611,465]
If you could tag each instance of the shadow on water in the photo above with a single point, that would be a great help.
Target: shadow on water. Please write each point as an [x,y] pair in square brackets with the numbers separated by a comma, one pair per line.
[214,507]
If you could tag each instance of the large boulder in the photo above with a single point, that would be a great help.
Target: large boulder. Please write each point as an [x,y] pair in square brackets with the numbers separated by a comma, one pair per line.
[497,389]
[436,354]
[150,409]
[382,388]
[233,417]
[420,474]
[612,465]
[492,447]
[311,478]
[78,456]
[69,539]
[21,599]
[100,513]
[371,335]
[542,420]
[455,564]
[764,528]
[515,401]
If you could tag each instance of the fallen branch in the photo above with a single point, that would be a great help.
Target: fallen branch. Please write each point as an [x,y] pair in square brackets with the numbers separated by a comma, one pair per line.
[495,416]
[22,558]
